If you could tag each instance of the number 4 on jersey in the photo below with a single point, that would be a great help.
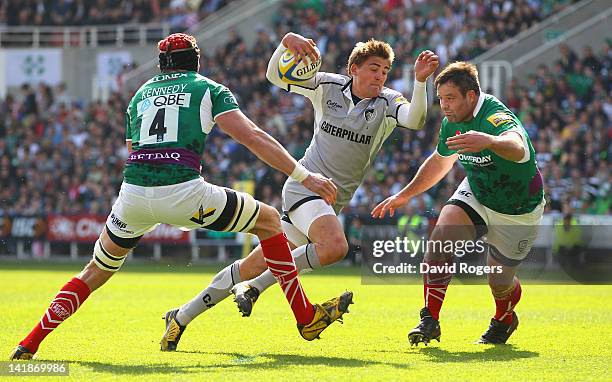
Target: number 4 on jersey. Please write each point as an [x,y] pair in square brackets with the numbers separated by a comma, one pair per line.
[160,117]
[157,125]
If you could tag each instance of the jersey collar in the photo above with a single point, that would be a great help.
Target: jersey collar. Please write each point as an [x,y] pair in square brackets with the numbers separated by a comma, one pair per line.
[346,89]
[481,99]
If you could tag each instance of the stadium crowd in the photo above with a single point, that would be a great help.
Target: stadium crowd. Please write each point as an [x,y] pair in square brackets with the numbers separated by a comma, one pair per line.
[179,14]
[59,155]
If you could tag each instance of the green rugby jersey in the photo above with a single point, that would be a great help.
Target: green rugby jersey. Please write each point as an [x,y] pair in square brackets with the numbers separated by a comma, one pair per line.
[167,121]
[508,187]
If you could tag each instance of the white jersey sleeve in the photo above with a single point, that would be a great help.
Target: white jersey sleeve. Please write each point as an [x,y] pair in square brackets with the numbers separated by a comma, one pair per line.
[411,115]
[272,71]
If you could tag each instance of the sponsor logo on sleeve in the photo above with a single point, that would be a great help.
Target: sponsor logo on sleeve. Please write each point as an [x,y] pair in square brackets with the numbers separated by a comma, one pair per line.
[499,119]
[230,100]
[400,100]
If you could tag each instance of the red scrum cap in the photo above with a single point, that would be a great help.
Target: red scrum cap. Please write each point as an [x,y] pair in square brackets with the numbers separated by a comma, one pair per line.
[177,42]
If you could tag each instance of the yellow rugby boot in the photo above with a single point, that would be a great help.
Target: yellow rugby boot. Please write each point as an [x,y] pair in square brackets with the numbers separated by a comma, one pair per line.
[325,315]
[173,332]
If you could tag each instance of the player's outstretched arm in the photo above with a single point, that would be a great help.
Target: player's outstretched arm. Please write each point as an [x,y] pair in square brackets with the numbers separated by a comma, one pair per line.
[509,145]
[413,115]
[431,172]
[262,144]
[302,47]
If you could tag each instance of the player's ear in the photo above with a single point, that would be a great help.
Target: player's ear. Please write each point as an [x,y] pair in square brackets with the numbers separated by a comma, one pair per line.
[471,96]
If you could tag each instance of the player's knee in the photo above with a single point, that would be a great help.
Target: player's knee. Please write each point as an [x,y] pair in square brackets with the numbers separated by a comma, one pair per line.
[341,248]
[268,223]
[435,253]
[335,249]
[272,219]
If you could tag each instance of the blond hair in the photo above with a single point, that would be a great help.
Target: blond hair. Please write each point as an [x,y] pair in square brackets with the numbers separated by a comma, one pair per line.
[372,48]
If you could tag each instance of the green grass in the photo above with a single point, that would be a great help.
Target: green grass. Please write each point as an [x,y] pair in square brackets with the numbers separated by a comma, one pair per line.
[564,333]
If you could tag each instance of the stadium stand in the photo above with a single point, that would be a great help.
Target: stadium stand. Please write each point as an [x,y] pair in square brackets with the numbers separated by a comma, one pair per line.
[60,155]
[180,14]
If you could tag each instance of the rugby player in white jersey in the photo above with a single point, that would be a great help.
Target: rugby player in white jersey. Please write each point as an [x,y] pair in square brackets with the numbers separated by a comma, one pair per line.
[354,115]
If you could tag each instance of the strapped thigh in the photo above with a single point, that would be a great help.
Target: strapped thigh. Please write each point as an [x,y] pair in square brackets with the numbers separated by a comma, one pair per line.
[105,260]
[239,213]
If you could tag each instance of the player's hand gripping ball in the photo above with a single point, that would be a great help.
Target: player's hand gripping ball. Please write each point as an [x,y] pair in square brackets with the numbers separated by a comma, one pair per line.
[291,72]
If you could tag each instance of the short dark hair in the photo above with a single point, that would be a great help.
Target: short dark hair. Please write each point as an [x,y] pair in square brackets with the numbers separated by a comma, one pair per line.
[463,75]
[178,51]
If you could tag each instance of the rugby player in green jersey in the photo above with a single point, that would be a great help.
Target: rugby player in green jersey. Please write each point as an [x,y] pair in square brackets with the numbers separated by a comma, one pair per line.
[502,197]
[167,123]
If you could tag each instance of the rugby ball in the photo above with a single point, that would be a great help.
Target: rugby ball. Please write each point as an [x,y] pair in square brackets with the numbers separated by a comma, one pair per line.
[292,73]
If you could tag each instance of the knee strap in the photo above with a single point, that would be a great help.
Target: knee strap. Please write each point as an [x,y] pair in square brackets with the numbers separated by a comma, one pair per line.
[106,261]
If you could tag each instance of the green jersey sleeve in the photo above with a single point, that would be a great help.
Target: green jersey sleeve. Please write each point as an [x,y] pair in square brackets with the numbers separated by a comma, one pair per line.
[500,122]
[442,148]
[222,101]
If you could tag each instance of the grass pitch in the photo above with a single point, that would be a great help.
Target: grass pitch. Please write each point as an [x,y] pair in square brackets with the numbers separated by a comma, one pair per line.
[564,332]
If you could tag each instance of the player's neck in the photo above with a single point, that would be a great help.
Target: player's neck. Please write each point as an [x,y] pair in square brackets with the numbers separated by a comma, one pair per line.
[468,118]
[355,93]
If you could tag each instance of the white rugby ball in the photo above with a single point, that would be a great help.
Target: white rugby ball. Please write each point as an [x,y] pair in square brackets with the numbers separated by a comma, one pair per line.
[292,73]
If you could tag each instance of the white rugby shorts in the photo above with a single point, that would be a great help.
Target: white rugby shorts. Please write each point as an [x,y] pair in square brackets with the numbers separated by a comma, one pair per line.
[511,235]
[297,222]
[188,205]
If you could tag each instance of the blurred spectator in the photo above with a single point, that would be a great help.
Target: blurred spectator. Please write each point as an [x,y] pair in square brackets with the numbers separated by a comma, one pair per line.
[180,14]
[568,243]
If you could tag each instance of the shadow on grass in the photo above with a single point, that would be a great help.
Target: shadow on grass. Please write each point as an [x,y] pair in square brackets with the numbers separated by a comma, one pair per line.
[500,353]
[239,362]
[143,369]
[274,360]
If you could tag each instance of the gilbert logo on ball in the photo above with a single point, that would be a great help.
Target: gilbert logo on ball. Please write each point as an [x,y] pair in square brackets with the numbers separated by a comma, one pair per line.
[291,72]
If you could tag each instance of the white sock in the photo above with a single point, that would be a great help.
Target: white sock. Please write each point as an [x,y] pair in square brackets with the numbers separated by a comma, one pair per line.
[218,289]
